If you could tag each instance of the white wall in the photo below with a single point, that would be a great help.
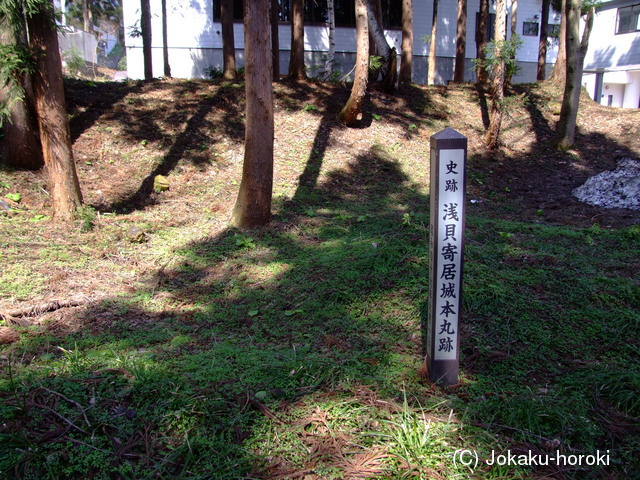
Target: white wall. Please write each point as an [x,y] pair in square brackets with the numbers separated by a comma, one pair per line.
[194,38]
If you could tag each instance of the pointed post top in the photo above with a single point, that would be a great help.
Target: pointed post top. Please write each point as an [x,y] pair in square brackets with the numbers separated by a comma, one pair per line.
[448,139]
[447,134]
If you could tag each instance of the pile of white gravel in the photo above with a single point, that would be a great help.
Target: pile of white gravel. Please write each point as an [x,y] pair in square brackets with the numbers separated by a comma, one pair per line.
[619,188]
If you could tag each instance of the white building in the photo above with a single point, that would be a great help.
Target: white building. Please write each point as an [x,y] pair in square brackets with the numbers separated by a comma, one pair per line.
[194,37]
[612,63]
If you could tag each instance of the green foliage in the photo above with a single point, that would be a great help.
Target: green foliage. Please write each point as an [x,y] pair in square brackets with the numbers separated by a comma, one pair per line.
[213,72]
[376,62]
[507,53]
[73,61]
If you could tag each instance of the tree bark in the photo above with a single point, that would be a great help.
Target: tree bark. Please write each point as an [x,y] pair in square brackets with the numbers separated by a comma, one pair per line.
[165,42]
[461,42]
[406,59]
[331,14]
[542,46]
[560,68]
[145,27]
[492,137]
[228,41]
[22,147]
[481,42]
[375,13]
[388,54]
[52,115]
[253,205]
[514,33]
[353,108]
[431,74]
[576,50]
[275,40]
[87,17]
[296,61]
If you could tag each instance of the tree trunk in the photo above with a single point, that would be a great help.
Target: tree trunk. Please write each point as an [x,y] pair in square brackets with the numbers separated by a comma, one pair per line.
[481,42]
[87,17]
[461,42]
[542,46]
[329,64]
[431,74]
[560,68]
[514,33]
[165,43]
[22,147]
[353,108]
[145,27]
[275,40]
[389,55]
[575,53]
[253,206]
[375,12]
[296,61]
[406,59]
[228,42]
[52,115]
[492,137]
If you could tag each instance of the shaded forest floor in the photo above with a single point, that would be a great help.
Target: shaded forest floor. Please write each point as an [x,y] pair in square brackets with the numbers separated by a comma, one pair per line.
[176,347]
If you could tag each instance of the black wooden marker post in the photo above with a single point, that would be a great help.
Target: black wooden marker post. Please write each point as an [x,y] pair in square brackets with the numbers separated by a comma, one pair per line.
[448,158]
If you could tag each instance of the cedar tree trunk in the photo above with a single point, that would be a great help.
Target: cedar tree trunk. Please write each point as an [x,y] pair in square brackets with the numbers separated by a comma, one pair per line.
[275,41]
[406,59]
[253,205]
[542,45]
[481,42]
[353,108]
[296,61]
[576,51]
[560,68]
[431,74]
[388,54]
[461,42]
[514,32]
[228,42]
[22,147]
[52,115]
[165,44]
[331,14]
[492,137]
[145,27]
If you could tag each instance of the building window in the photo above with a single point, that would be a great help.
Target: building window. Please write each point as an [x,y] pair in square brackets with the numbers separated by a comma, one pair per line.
[315,12]
[490,26]
[554,30]
[530,29]
[628,19]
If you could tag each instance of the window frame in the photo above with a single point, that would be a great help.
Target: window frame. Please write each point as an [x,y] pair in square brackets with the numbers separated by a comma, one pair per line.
[634,12]
[534,25]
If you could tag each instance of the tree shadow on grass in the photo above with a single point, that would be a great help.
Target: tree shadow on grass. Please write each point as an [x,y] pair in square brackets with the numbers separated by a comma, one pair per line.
[245,320]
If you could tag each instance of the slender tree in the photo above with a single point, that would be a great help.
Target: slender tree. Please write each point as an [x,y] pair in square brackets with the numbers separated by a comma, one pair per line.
[331,16]
[145,27]
[560,67]
[228,41]
[353,108]
[52,113]
[165,41]
[542,45]
[514,34]
[22,139]
[406,59]
[461,42]
[253,205]
[481,42]
[431,74]
[275,40]
[296,61]
[576,50]
[388,54]
[492,136]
